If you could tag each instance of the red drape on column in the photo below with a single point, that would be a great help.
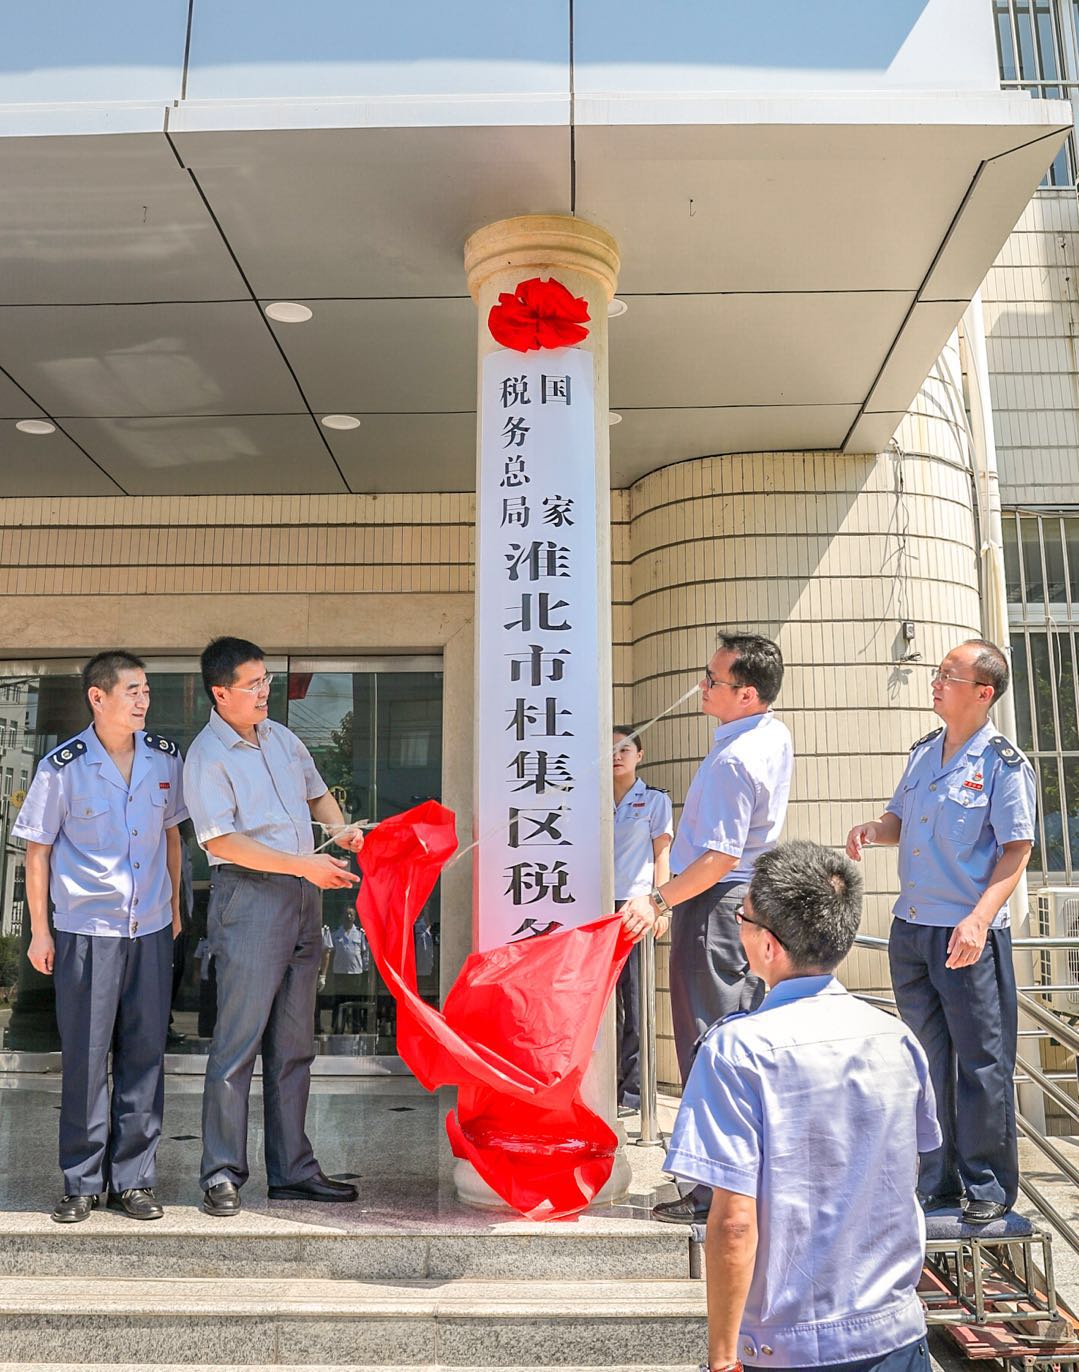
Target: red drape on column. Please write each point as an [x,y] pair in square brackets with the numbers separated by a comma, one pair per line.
[516,1034]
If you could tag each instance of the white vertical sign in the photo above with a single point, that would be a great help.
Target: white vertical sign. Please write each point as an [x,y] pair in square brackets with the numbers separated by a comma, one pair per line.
[539,788]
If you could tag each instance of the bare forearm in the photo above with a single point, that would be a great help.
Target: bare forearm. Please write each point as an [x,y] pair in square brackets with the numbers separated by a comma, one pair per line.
[1009,868]
[701,875]
[325,810]
[730,1249]
[37,886]
[172,862]
[248,852]
[661,848]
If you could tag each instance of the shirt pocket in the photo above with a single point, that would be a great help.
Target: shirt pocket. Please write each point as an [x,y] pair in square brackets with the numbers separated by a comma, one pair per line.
[963,816]
[87,821]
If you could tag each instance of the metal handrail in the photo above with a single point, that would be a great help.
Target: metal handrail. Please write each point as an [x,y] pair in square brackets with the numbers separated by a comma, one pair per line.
[646,1018]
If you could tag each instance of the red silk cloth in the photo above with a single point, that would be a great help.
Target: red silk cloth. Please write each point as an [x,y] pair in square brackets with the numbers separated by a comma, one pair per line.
[515,1036]
[538,314]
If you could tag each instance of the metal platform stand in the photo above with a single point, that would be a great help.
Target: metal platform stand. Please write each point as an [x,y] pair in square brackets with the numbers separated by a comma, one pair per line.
[991,1289]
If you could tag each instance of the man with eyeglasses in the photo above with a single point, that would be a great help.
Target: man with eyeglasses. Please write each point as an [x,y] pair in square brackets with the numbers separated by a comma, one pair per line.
[963,819]
[255,792]
[806,1117]
[733,812]
[100,822]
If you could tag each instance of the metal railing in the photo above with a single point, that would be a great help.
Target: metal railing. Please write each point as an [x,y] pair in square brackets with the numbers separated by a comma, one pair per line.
[1047,1025]
[650,1136]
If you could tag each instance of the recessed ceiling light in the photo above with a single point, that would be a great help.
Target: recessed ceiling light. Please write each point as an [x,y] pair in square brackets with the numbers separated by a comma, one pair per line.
[613,418]
[288,312]
[616,307]
[340,421]
[35,426]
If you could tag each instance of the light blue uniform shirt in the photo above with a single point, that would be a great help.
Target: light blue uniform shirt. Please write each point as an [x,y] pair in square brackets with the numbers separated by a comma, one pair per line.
[737,801]
[641,816]
[817,1105]
[956,817]
[349,950]
[259,790]
[108,872]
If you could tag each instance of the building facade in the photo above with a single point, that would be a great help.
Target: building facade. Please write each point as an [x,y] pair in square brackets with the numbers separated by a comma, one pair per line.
[805,204]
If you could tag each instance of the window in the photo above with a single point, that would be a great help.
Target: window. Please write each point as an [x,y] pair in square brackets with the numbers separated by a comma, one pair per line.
[1037,52]
[1041,560]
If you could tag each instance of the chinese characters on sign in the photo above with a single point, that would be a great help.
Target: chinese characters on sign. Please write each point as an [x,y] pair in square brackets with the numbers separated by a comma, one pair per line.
[538,864]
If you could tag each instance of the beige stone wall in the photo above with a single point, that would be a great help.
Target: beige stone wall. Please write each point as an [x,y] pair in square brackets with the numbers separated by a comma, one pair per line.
[826,554]
[306,575]
[1031,304]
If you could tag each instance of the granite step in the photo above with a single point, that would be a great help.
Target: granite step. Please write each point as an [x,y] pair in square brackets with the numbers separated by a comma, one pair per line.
[296,1367]
[192,1245]
[456,1323]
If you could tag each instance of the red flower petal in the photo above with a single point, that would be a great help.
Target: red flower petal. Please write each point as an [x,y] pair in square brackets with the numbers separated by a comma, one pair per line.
[538,314]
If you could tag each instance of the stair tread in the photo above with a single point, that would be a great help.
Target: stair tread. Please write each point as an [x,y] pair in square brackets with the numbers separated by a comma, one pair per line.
[197,1298]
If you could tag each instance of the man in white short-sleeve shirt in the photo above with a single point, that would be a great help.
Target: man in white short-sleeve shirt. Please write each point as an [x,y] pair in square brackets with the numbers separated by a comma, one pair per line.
[734,811]
[254,793]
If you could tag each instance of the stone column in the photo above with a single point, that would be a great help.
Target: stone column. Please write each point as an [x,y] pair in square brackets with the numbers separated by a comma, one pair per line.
[575,573]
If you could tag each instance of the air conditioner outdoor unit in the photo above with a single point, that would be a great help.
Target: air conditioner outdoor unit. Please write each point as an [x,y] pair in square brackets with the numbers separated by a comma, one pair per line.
[1056,912]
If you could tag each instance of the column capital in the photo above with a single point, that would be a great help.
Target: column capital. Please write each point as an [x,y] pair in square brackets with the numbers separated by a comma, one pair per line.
[541,242]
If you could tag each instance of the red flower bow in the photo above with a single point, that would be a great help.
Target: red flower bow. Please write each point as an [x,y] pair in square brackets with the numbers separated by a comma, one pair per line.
[538,314]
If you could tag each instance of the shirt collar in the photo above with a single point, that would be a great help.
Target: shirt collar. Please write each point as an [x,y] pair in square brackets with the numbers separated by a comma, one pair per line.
[799,988]
[974,747]
[228,735]
[725,732]
[96,753]
[635,792]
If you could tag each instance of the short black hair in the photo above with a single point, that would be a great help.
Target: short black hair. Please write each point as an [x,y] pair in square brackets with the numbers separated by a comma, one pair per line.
[103,670]
[627,731]
[990,665]
[811,899]
[757,662]
[221,657]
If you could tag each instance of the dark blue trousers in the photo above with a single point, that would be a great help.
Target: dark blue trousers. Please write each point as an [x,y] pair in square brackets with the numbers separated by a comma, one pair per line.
[966,1021]
[112,995]
[628,1021]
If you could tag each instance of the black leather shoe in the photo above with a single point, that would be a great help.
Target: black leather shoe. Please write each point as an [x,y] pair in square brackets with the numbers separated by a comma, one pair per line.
[931,1203]
[72,1209]
[137,1203]
[982,1212]
[315,1188]
[222,1199]
[684,1210]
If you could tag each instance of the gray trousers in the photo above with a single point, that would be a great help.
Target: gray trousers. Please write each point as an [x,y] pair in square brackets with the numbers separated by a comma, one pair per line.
[265,935]
[112,995]
[709,975]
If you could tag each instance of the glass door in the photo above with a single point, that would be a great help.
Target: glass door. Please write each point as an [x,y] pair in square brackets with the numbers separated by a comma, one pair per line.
[374,728]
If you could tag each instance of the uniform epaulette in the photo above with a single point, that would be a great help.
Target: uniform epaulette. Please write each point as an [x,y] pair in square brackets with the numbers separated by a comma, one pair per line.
[159,744]
[1008,753]
[662,790]
[935,734]
[68,753]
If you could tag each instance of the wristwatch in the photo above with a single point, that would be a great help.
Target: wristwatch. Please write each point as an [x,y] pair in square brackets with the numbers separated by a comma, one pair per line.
[657,900]
[728,1367]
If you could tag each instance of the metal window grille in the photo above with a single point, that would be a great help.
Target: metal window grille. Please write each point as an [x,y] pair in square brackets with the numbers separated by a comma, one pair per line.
[1038,52]
[1041,556]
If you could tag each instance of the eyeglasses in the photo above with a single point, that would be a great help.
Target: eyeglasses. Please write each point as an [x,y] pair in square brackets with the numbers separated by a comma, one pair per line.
[742,918]
[263,684]
[711,681]
[945,677]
